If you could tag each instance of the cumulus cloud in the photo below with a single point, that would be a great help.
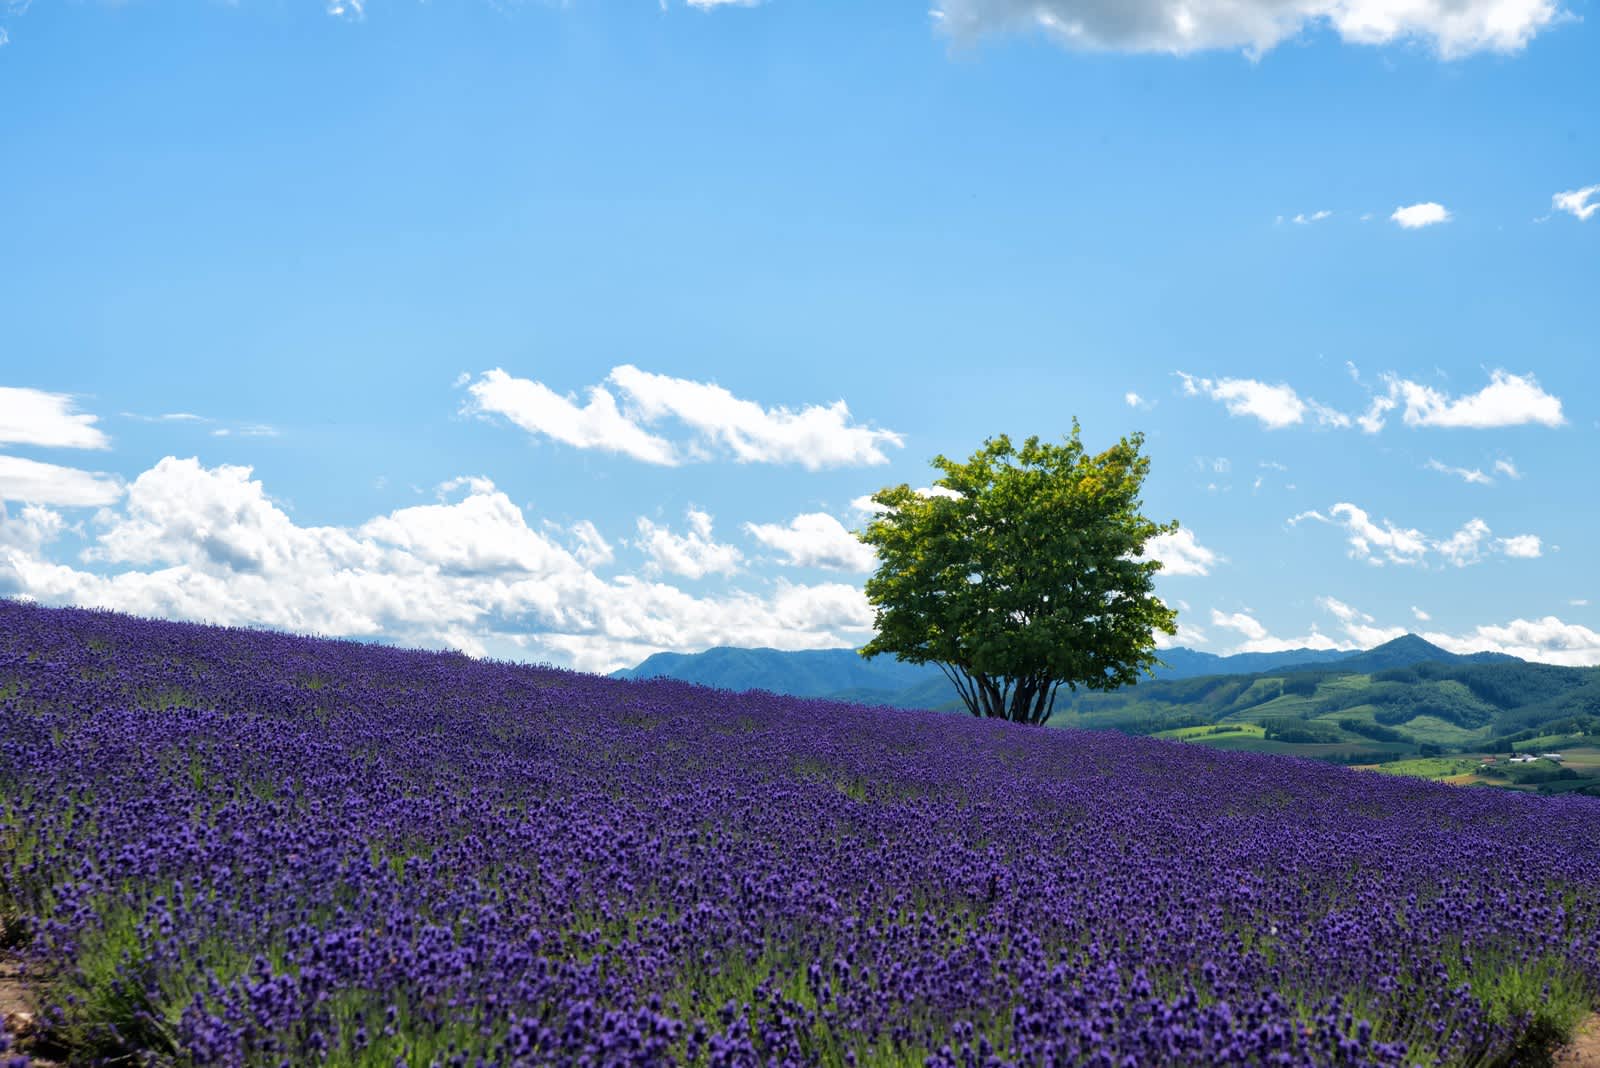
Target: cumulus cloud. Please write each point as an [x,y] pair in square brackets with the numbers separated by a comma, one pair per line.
[1385,542]
[1305,219]
[1180,553]
[40,483]
[693,555]
[1523,546]
[1416,216]
[1508,400]
[1577,202]
[49,420]
[1419,614]
[1134,400]
[1452,28]
[816,539]
[720,424]
[209,544]
[1547,640]
[32,528]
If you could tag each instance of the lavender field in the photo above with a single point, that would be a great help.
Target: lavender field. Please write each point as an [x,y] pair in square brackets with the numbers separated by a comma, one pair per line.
[224,847]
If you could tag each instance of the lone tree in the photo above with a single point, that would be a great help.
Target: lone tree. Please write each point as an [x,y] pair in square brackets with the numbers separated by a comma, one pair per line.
[1023,569]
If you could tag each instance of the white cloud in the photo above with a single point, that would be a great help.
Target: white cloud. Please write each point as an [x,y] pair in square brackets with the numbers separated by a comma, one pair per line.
[1419,614]
[1359,627]
[1180,553]
[1188,636]
[1303,219]
[1507,468]
[1522,546]
[538,409]
[1465,546]
[816,539]
[31,529]
[1379,543]
[1275,406]
[693,555]
[1257,639]
[1134,400]
[1242,622]
[40,483]
[865,505]
[1466,474]
[1578,202]
[1547,640]
[1579,602]
[712,5]
[1508,400]
[589,546]
[815,436]
[1452,28]
[192,542]
[49,420]
[1416,216]
[1386,542]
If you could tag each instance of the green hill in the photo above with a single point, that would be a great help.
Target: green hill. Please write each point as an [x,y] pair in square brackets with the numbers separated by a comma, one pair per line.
[1369,708]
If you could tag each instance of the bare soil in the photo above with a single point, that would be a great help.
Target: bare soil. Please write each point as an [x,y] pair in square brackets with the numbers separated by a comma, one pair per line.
[17,1011]
[1584,1049]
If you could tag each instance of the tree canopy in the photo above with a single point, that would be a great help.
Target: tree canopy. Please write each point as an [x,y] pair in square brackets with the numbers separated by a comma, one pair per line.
[1022,569]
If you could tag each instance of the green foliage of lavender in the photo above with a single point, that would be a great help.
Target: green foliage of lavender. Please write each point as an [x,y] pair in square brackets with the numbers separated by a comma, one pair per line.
[224,847]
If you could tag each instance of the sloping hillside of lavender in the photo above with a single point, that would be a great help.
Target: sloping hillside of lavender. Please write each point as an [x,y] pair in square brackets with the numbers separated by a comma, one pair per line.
[225,847]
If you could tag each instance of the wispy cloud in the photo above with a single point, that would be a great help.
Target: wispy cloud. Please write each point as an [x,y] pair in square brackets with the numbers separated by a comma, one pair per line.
[1471,475]
[1383,541]
[720,424]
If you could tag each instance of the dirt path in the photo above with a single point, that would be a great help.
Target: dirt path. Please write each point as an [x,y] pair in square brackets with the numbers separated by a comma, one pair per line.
[1584,1049]
[15,1009]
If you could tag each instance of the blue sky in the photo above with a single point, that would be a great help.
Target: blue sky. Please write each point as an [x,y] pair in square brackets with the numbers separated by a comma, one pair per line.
[572,332]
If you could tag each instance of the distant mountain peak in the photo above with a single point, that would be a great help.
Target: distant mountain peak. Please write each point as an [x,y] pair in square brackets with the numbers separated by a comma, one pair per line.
[1408,642]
